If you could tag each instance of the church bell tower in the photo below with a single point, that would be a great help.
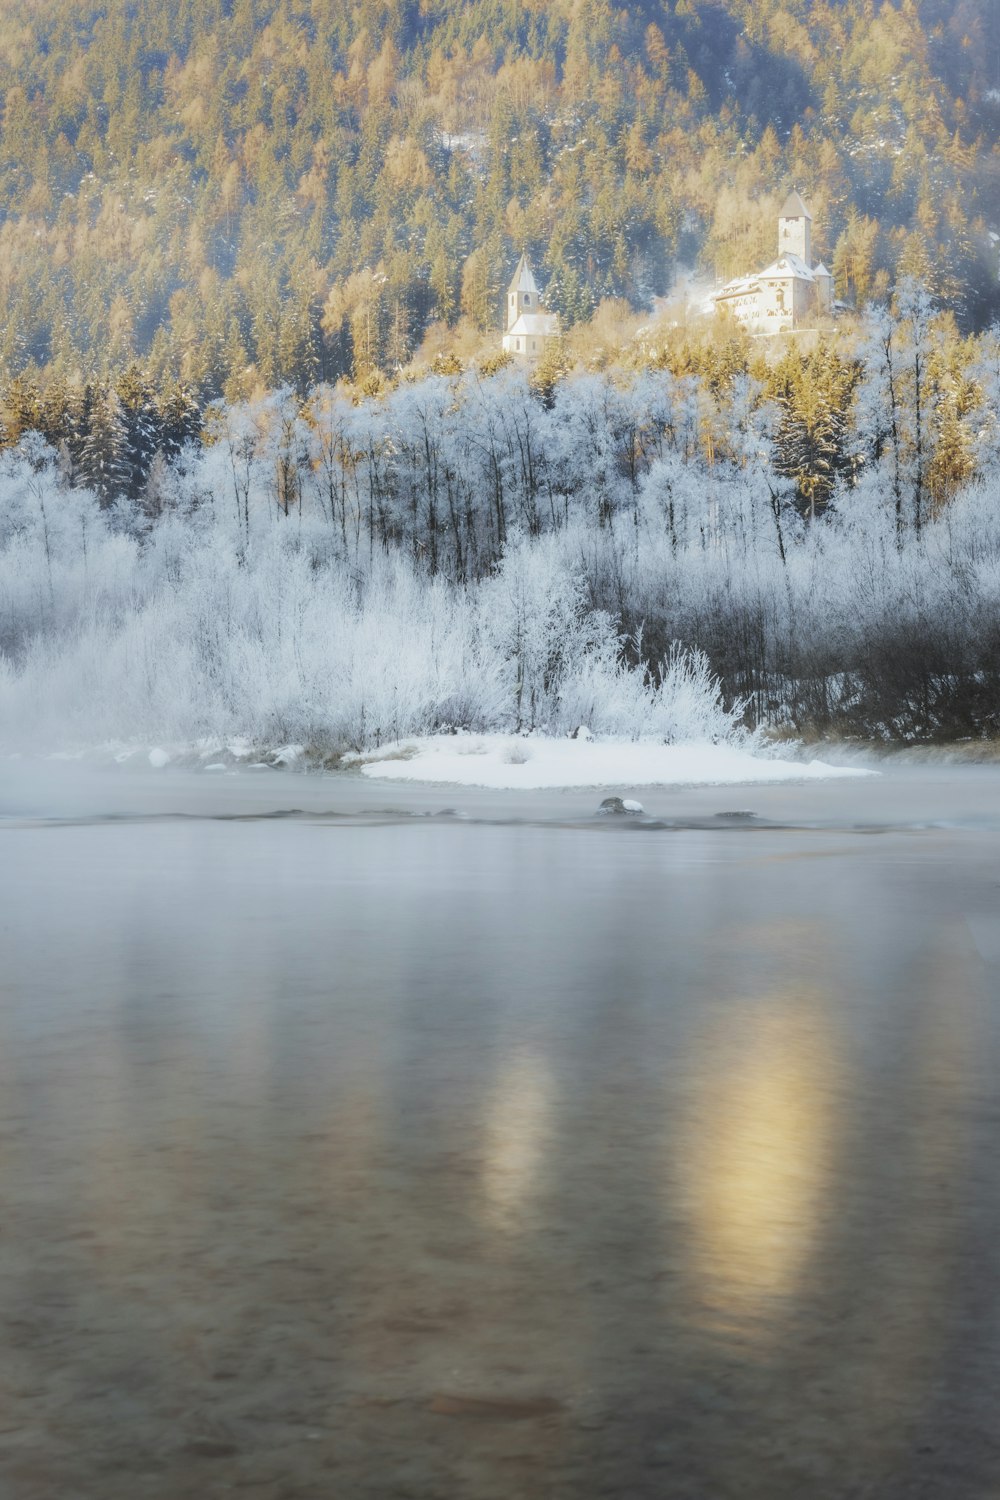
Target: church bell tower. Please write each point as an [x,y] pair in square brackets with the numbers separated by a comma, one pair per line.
[522,294]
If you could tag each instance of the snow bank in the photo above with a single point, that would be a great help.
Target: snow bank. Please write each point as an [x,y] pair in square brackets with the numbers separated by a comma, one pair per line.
[502,761]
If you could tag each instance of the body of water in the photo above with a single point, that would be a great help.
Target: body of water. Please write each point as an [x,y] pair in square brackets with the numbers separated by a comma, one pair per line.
[366,1142]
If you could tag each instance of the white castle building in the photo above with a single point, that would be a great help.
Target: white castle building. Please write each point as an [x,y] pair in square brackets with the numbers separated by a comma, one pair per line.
[790,293]
[529,326]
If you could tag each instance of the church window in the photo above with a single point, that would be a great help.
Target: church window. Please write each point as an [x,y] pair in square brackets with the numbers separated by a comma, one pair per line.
[527,300]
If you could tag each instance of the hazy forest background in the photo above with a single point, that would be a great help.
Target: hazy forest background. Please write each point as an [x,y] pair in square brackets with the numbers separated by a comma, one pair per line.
[241,194]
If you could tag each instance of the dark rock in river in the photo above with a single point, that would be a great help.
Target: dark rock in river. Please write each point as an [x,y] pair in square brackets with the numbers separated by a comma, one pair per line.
[616,807]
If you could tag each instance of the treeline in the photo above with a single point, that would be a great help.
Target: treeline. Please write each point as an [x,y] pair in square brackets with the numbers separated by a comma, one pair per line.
[242,194]
[475,552]
[110,436]
[119,437]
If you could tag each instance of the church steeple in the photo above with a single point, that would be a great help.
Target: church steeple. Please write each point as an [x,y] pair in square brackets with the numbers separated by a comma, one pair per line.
[522,294]
[529,327]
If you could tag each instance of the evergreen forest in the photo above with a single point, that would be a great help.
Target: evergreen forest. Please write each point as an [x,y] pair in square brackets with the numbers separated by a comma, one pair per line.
[229,196]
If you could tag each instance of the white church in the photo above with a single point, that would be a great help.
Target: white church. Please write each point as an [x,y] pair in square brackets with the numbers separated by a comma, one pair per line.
[529,327]
[791,292]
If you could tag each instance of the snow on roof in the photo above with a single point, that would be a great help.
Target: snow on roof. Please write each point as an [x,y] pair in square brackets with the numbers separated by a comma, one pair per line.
[794,207]
[523,280]
[536,325]
[786,265]
[738,287]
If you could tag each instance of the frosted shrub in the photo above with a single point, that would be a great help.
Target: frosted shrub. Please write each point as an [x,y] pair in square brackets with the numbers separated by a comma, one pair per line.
[533,620]
[687,700]
[679,704]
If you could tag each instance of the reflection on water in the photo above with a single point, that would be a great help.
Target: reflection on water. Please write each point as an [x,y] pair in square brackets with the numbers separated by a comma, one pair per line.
[430,1160]
[515,1120]
[758,1148]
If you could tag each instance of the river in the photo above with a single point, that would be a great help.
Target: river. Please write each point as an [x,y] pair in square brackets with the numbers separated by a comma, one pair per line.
[363,1141]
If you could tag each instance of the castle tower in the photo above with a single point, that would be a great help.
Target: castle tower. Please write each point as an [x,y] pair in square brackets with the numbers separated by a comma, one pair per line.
[522,294]
[795,229]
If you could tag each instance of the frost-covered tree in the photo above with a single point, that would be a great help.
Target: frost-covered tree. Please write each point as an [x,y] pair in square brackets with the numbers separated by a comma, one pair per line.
[105,463]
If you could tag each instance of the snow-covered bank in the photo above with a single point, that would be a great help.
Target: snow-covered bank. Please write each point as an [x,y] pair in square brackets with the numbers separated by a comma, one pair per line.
[503,761]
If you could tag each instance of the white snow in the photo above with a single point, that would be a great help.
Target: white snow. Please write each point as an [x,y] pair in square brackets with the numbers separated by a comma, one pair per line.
[505,761]
[159,758]
[289,755]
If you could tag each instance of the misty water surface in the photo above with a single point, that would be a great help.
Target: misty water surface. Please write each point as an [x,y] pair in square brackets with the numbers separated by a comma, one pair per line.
[507,1153]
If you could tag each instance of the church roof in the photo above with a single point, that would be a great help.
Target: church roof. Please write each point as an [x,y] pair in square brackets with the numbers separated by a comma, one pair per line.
[821,270]
[794,207]
[534,325]
[523,280]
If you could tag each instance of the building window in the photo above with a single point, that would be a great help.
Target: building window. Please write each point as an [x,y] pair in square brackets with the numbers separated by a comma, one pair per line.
[527,300]
[519,346]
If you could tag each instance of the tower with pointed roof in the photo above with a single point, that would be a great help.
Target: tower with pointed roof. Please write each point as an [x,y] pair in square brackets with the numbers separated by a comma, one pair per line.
[528,326]
[792,291]
[522,294]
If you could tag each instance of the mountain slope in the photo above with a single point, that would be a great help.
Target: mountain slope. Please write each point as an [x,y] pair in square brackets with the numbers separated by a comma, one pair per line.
[257,191]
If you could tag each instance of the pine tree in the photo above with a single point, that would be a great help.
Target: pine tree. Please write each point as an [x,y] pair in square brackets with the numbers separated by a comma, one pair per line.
[179,418]
[104,462]
[141,427]
[22,408]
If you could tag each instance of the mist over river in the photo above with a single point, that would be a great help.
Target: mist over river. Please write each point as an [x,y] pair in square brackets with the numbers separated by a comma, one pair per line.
[362,1141]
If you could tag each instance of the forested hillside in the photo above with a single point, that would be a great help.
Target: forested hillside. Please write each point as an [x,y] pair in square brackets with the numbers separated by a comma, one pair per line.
[242,193]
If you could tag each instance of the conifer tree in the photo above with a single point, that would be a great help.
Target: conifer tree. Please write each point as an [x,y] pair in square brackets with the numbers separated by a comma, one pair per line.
[104,465]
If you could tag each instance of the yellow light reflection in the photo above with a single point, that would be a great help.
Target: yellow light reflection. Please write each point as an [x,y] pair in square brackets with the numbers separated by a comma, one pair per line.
[757,1153]
[515,1125]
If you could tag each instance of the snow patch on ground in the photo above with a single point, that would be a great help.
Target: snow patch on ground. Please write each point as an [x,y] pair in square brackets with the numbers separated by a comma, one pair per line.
[289,755]
[505,761]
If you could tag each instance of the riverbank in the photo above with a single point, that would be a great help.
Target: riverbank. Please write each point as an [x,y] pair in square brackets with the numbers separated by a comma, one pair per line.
[512,762]
[499,761]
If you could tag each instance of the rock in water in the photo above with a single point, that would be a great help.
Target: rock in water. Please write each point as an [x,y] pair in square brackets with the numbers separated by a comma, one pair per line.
[616,807]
